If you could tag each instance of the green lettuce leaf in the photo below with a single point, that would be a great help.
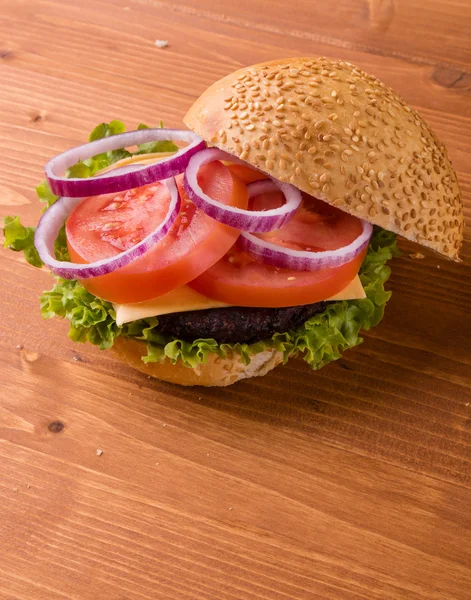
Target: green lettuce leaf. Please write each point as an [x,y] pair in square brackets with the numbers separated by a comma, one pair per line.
[91,319]
[45,194]
[161,146]
[103,130]
[321,339]
[20,239]
[90,166]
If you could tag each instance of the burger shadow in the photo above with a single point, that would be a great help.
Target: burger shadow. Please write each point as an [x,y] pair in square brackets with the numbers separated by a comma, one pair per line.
[365,392]
[289,397]
[407,359]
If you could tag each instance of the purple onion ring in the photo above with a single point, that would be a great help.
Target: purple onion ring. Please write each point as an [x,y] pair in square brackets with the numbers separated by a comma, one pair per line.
[244,220]
[300,260]
[56,215]
[131,177]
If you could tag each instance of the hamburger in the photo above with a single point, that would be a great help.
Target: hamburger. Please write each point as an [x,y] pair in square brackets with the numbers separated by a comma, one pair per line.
[266,236]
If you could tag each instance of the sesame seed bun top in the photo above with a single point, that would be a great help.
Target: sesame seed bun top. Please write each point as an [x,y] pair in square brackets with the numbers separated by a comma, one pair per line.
[341,135]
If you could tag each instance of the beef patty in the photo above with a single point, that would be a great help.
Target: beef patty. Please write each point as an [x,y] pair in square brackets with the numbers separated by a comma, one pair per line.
[236,323]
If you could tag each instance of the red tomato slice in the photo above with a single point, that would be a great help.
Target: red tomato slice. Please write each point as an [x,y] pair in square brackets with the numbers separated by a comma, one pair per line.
[316,226]
[240,280]
[103,226]
[246,173]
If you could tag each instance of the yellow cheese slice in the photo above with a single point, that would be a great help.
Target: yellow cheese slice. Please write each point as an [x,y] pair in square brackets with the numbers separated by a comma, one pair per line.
[353,291]
[185,299]
[145,159]
[182,299]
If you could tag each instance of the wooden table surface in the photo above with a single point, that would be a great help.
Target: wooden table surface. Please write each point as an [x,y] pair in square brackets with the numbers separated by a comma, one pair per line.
[346,484]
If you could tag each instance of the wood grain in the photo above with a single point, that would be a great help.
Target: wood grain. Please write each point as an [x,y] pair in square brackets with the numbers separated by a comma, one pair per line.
[431,32]
[350,483]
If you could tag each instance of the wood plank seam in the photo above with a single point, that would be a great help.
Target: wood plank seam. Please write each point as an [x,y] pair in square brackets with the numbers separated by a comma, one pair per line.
[313,37]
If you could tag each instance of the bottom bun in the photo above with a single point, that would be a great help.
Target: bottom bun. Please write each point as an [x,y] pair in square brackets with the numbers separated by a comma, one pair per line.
[217,371]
